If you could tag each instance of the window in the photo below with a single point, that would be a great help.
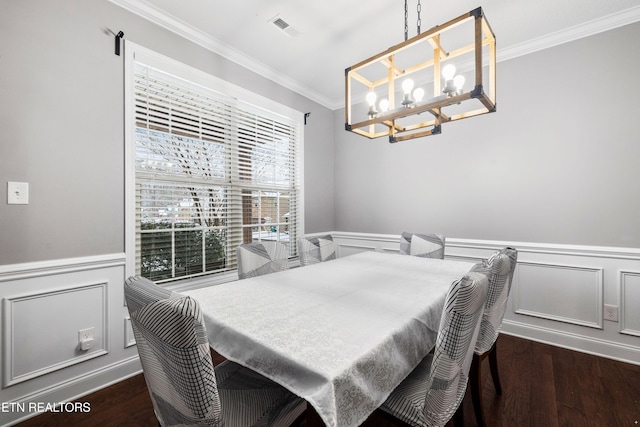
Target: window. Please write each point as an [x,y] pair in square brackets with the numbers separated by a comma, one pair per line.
[211,165]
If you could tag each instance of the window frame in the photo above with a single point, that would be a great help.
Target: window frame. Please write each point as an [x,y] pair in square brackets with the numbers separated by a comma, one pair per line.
[135,53]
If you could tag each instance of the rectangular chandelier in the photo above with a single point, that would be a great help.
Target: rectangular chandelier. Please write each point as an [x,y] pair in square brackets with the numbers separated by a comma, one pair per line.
[411,89]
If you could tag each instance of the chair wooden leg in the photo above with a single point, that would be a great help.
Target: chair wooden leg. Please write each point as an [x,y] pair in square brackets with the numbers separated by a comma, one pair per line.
[475,376]
[312,417]
[493,364]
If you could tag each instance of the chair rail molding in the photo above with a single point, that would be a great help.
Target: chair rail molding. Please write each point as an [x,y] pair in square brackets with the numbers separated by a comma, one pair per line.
[59,266]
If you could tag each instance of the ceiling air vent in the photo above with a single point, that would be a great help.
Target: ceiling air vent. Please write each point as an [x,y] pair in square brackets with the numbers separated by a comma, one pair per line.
[284,26]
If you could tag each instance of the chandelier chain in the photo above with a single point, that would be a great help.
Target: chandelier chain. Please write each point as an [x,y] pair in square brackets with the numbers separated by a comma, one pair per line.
[419,20]
[406,21]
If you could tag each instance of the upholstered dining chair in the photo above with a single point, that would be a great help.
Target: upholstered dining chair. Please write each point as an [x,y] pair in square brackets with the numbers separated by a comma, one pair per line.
[499,269]
[185,387]
[259,258]
[433,391]
[313,250]
[422,245]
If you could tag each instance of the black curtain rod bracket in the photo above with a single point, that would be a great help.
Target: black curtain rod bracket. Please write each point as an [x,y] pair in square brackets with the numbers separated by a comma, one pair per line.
[118,37]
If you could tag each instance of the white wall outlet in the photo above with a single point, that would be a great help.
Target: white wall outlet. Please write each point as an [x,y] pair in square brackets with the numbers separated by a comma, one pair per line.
[17,193]
[611,312]
[86,338]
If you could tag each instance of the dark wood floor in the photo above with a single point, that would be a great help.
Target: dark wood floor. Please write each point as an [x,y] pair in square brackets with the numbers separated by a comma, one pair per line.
[542,386]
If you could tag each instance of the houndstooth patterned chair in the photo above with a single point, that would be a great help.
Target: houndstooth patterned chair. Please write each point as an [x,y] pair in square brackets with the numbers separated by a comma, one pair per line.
[176,361]
[499,269]
[433,391]
[422,245]
[314,250]
[259,258]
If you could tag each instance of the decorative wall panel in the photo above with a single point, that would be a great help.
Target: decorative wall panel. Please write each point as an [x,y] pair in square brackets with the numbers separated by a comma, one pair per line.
[129,338]
[559,292]
[630,303]
[41,330]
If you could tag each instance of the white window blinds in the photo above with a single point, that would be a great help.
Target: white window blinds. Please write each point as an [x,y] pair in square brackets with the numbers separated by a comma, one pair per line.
[211,172]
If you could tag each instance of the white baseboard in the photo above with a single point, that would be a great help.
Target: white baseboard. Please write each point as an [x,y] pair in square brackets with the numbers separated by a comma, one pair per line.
[571,341]
[75,388]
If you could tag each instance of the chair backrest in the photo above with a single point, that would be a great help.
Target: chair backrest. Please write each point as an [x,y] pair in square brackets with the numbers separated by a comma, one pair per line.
[314,250]
[174,352]
[422,245]
[459,327]
[259,258]
[499,269]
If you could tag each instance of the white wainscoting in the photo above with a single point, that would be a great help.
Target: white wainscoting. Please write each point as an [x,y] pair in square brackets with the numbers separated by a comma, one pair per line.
[558,291]
[44,305]
[557,297]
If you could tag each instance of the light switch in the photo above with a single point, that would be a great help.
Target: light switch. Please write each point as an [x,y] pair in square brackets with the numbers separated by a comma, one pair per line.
[18,193]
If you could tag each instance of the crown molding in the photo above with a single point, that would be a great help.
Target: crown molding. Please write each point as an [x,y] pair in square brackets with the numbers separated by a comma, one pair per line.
[181,28]
[589,28]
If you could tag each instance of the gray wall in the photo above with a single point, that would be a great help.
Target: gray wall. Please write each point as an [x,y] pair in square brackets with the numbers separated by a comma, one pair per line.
[61,110]
[558,159]
[557,163]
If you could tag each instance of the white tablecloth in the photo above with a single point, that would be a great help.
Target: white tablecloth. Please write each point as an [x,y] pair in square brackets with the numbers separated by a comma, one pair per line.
[341,334]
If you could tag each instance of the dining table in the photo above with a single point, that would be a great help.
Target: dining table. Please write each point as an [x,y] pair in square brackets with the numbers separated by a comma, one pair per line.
[342,334]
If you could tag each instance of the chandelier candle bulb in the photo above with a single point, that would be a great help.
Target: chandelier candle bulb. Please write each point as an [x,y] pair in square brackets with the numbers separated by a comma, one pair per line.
[418,94]
[449,71]
[407,86]
[371,100]
[384,105]
[458,83]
